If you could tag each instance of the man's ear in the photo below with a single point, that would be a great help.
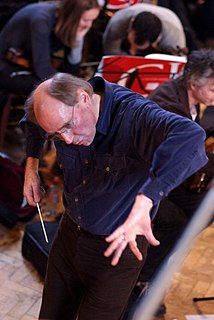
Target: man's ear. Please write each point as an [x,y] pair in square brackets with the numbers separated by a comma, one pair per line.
[82,96]
[192,85]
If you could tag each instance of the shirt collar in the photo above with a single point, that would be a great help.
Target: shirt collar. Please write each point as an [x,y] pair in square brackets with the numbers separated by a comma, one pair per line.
[101,85]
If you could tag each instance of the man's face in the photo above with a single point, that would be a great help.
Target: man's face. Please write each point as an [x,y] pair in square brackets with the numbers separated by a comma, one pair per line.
[71,124]
[204,93]
[134,48]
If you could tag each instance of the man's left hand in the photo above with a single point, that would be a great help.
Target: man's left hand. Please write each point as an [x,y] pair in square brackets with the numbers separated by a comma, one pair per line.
[137,223]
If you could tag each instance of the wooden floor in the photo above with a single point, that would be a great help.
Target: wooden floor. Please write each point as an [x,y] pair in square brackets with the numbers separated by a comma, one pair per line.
[21,286]
[195,279]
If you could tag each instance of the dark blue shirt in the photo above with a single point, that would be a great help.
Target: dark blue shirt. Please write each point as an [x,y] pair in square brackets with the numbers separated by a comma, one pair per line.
[138,148]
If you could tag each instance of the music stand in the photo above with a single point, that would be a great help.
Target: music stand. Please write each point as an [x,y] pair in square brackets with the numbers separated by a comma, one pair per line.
[140,74]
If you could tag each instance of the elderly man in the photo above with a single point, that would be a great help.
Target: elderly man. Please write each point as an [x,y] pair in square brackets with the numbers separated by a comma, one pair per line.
[120,155]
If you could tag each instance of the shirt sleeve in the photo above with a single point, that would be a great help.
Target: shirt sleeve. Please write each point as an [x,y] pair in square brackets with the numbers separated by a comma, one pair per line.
[173,145]
[41,48]
[75,54]
[35,138]
[173,36]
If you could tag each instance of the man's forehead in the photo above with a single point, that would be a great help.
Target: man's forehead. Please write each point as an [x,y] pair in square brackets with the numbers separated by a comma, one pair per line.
[43,101]
[42,95]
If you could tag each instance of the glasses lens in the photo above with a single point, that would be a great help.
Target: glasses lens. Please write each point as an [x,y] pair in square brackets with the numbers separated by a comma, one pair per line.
[68,126]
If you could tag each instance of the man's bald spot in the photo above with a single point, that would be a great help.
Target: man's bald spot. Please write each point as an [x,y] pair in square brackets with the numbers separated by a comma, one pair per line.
[39,93]
[50,112]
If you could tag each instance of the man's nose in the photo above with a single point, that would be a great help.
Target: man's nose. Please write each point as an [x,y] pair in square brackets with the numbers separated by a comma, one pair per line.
[68,137]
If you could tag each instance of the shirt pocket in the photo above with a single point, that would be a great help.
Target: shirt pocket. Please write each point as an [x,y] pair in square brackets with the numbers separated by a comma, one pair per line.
[71,168]
[111,173]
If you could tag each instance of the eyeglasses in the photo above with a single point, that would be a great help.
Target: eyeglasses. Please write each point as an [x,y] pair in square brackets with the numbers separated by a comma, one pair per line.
[67,127]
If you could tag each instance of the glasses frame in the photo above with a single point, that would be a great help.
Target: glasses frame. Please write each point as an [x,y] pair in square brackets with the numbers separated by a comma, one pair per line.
[69,125]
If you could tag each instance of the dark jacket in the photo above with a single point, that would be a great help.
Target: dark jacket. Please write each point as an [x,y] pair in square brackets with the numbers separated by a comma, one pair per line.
[172,96]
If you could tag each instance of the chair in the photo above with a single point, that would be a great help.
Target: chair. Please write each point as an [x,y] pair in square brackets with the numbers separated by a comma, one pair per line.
[14,104]
[141,74]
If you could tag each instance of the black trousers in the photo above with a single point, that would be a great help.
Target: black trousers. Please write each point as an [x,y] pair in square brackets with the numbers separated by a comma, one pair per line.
[81,281]
[173,215]
[17,79]
[172,218]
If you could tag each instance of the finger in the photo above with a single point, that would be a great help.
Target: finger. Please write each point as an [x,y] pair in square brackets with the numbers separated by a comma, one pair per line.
[119,231]
[38,193]
[118,253]
[34,195]
[151,238]
[29,196]
[113,246]
[134,248]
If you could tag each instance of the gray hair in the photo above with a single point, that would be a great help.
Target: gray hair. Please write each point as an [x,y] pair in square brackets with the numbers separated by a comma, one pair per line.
[63,87]
[199,67]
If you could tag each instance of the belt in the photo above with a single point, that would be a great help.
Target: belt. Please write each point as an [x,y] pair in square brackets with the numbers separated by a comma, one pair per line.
[90,235]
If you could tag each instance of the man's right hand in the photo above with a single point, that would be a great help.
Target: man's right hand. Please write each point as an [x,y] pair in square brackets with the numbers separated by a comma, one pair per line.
[32,184]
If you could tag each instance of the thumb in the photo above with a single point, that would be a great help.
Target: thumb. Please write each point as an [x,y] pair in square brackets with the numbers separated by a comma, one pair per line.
[151,238]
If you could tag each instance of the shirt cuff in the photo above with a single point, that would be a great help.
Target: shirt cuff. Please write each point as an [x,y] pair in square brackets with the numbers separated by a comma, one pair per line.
[154,190]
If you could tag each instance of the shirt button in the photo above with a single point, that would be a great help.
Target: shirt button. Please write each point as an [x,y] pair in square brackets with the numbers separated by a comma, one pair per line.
[60,166]
[108,169]
[79,218]
[161,193]
[84,182]
[76,199]
[86,161]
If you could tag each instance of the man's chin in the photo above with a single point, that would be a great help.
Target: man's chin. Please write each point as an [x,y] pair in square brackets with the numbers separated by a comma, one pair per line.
[86,143]
[82,143]
[84,140]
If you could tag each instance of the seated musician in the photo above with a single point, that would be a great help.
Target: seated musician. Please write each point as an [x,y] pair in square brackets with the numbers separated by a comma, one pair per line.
[142,29]
[36,32]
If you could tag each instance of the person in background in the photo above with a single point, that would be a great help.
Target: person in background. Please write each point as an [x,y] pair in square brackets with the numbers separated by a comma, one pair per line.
[95,35]
[182,96]
[120,155]
[144,28]
[41,39]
